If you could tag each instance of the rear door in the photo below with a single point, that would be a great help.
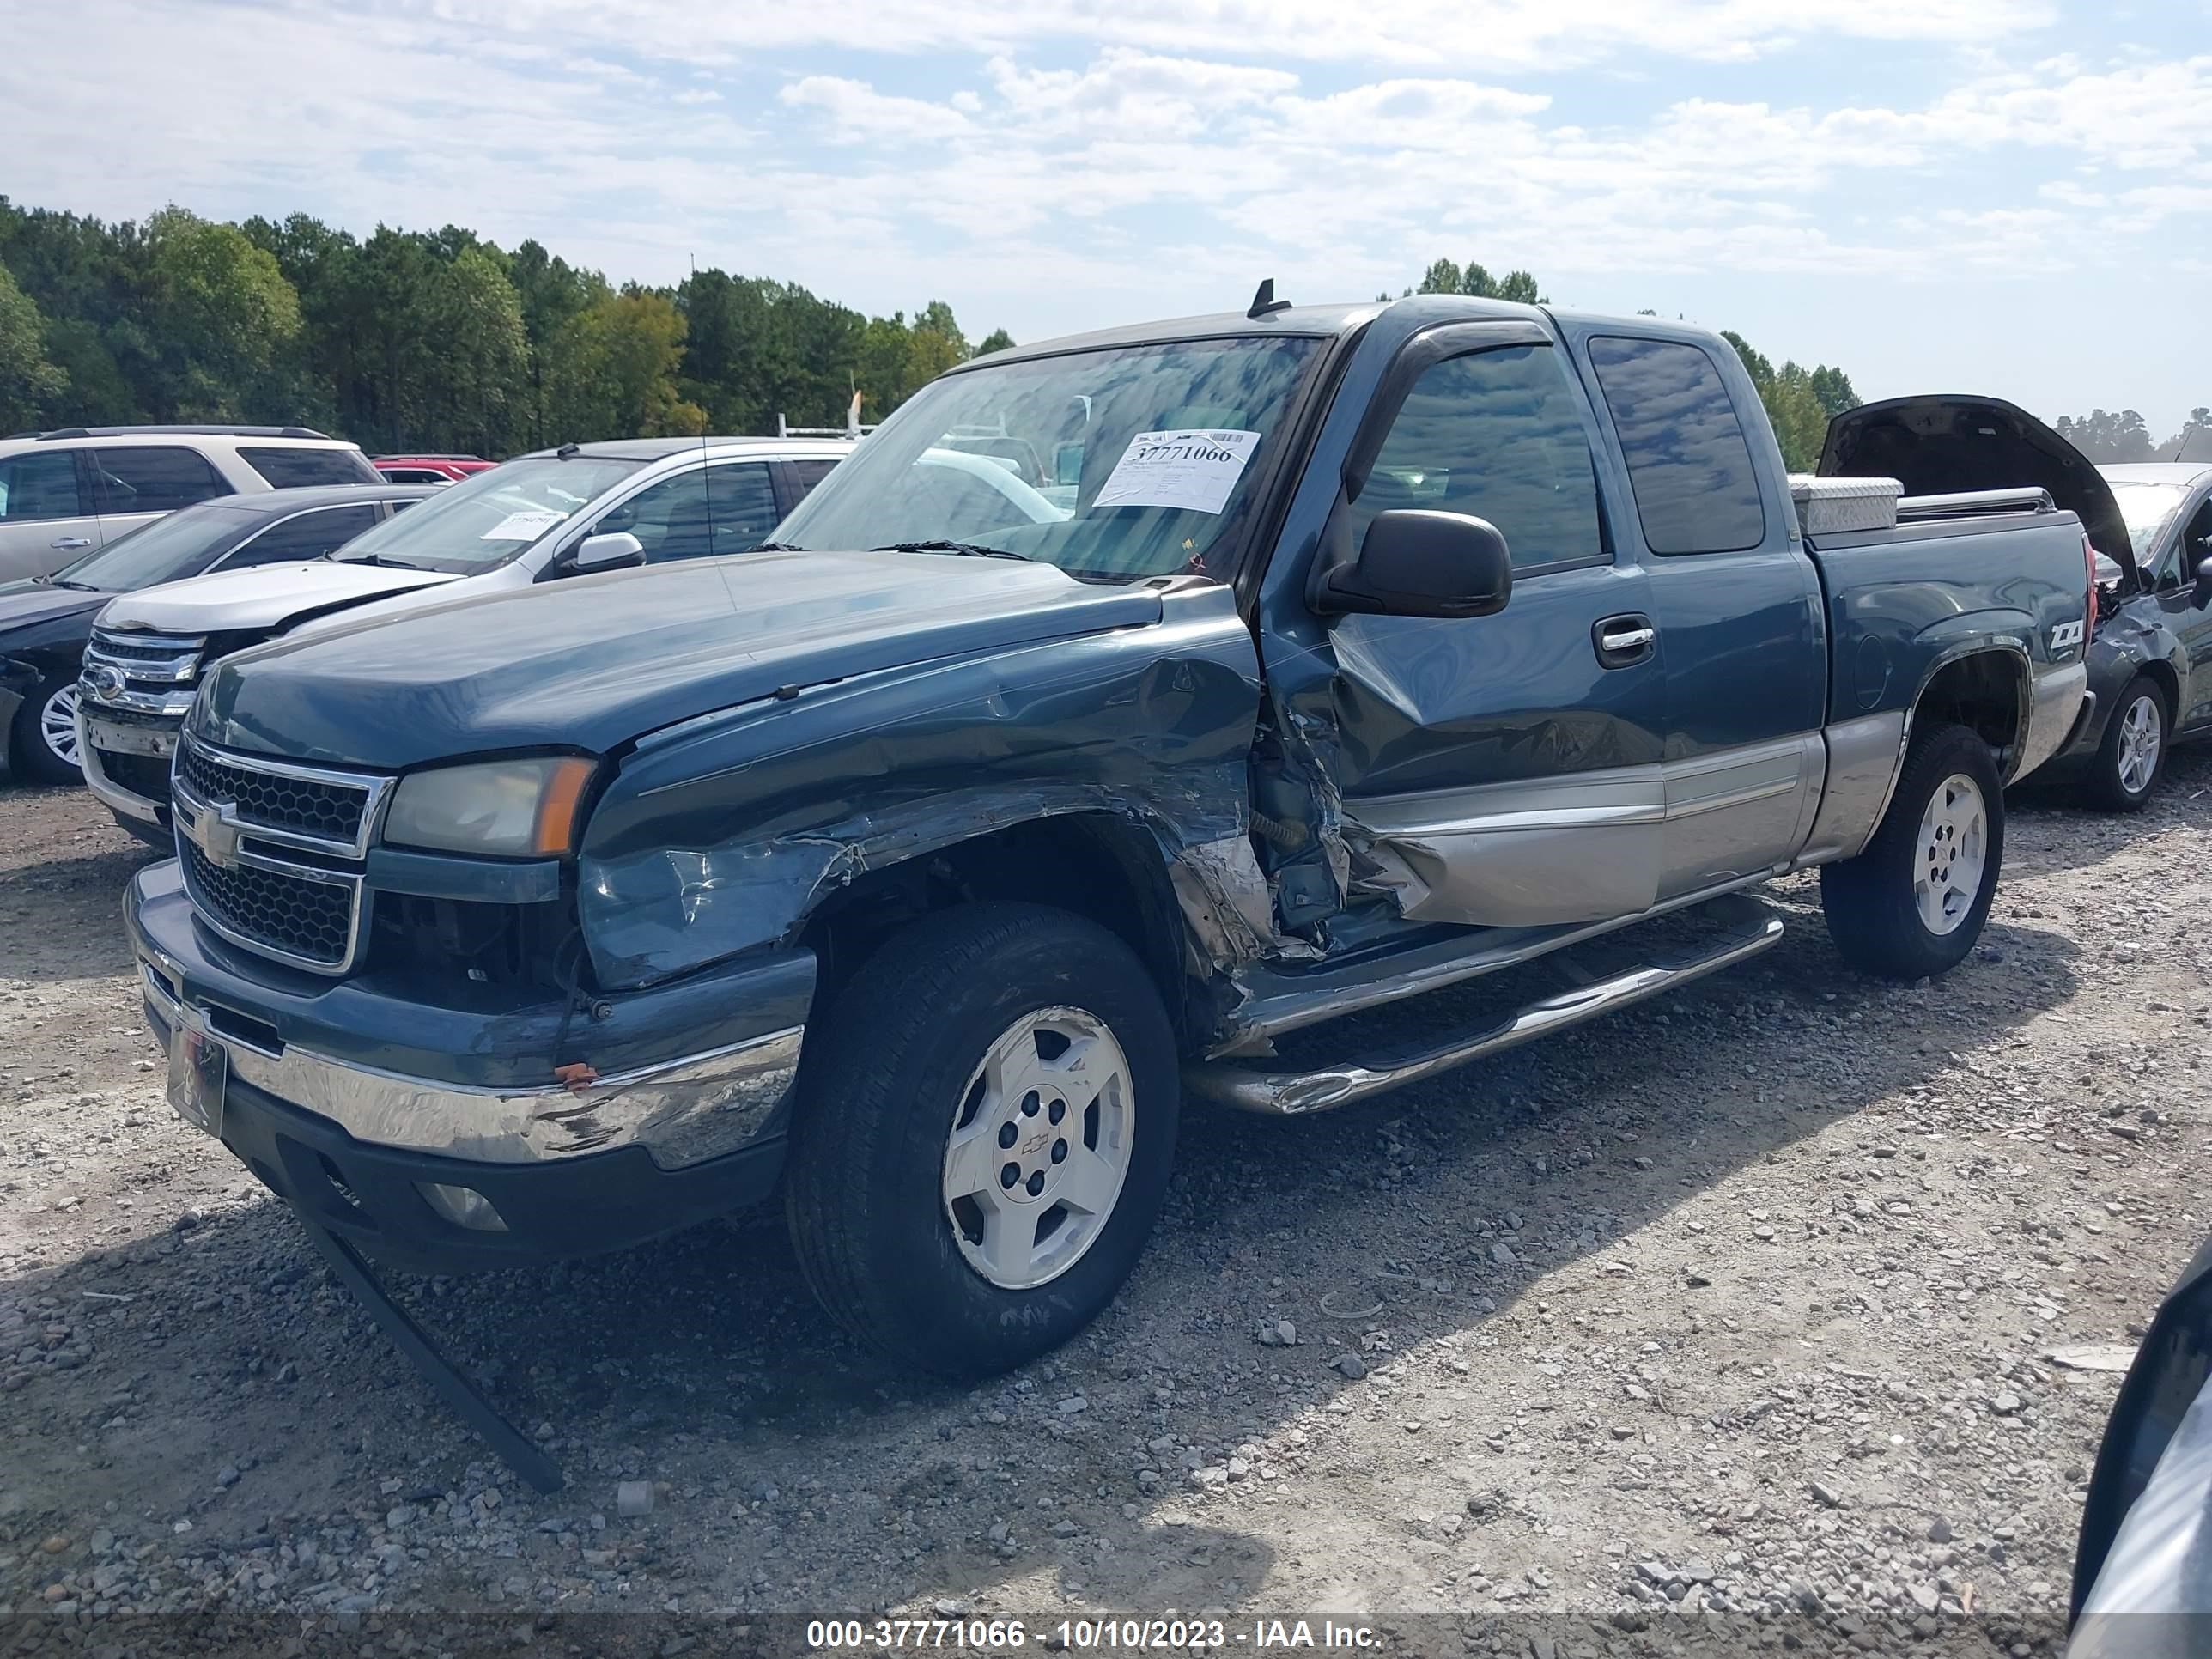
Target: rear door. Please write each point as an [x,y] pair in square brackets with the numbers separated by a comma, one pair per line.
[1503,769]
[47,516]
[1734,601]
[139,483]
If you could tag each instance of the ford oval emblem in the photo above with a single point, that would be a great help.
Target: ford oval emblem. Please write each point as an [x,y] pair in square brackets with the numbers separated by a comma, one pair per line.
[105,681]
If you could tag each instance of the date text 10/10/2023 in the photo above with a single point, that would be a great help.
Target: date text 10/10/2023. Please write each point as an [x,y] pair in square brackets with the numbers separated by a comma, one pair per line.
[1086,1635]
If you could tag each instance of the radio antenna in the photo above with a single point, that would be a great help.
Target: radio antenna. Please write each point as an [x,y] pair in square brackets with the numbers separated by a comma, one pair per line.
[706,472]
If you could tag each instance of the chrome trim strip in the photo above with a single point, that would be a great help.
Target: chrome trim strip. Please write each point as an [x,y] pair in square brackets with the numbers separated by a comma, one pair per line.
[375,791]
[682,1111]
[1291,1093]
[175,671]
[171,705]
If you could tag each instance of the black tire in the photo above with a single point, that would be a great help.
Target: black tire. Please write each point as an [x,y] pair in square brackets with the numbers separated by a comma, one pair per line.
[2103,786]
[1869,900]
[888,1070]
[31,760]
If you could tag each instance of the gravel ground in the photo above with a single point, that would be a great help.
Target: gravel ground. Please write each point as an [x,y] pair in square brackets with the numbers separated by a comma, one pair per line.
[1744,1302]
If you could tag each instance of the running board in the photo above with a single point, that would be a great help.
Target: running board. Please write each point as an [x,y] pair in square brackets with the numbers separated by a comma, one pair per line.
[1293,1093]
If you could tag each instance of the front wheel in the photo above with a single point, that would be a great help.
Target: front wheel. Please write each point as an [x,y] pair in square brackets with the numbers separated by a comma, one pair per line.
[1912,904]
[985,1137]
[2133,750]
[43,745]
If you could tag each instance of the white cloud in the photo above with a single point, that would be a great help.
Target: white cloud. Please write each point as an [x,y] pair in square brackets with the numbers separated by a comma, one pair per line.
[853,111]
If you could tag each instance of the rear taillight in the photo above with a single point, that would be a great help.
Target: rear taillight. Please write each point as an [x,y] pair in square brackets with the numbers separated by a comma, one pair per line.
[2089,558]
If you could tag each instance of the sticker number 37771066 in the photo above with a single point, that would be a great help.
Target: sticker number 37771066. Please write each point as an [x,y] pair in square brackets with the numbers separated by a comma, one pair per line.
[1187,469]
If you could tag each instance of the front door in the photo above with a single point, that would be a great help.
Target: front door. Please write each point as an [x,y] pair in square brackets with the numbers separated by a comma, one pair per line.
[2176,583]
[47,518]
[1736,601]
[1504,771]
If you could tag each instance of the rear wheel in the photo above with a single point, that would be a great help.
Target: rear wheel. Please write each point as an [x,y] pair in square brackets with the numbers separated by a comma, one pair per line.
[985,1138]
[43,747]
[1914,902]
[2133,752]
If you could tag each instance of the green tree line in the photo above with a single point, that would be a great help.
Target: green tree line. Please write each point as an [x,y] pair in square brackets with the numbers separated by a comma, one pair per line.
[408,340]
[2112,440]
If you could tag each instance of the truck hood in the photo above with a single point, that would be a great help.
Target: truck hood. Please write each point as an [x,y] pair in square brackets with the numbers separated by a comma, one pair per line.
[262,597]
[593,662]
[23,603]
[1938,444]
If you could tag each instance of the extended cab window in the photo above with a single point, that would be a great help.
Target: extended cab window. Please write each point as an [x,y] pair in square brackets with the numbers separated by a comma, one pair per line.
[1689,463]
[155,478]
[41,486]
[1497,434]
[297,468]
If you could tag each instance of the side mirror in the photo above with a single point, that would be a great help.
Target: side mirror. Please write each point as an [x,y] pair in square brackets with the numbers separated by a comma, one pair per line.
[608,552]
[1418,563]
[2202,596]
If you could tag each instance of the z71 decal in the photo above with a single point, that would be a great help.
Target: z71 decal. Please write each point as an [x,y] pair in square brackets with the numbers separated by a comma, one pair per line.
[2065,634]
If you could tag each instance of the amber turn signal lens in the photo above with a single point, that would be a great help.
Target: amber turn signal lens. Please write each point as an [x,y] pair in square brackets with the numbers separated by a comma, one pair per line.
[558,808]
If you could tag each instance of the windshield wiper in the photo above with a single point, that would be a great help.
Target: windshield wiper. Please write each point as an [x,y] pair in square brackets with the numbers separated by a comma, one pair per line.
[971,550]
[75,587]
[381,564]
[774,547]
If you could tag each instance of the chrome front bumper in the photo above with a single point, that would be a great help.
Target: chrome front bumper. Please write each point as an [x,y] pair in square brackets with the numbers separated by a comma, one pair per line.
[682,1112]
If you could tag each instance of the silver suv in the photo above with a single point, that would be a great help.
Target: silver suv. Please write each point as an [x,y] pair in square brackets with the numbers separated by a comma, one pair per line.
[541,517]
[65,492]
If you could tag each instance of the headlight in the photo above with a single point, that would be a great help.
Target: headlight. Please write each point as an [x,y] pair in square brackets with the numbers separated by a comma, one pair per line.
[513,808]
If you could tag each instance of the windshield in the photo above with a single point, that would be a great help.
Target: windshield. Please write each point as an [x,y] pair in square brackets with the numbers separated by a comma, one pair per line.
[483,521]
[166,551]
[1114,465]
[2147,508]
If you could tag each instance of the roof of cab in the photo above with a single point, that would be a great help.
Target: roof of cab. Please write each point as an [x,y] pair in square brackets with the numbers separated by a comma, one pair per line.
[1308,321]
[2165,472]
[654,449]
[275,503]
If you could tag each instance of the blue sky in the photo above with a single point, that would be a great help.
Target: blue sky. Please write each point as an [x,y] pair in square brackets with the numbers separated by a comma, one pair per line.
[2004,196]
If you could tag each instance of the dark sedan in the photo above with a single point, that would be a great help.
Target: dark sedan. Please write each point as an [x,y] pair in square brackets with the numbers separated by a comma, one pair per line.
[46,621]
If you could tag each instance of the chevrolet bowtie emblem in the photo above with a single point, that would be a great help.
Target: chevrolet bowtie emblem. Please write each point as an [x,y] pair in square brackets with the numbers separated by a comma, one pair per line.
[215,835]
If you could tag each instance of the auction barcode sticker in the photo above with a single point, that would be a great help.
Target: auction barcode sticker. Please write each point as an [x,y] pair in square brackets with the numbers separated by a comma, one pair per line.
[1194,470]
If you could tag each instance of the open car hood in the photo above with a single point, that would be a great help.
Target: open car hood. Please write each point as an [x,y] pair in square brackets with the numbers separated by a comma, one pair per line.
[1938,444]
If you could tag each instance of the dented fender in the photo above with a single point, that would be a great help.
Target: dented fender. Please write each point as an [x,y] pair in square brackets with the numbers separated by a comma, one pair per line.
[727,831]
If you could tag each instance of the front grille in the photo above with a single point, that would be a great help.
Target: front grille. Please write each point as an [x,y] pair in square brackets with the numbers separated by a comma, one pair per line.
[306,807]
[146,776]
[304,918]
[146,648]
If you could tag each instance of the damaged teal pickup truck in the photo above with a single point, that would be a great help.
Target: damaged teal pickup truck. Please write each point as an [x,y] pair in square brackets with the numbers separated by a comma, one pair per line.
[1121,705]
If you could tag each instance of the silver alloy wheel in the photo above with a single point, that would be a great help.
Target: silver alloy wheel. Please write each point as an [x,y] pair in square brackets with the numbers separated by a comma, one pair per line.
[1039,1147]
[58,727]
[1953,849]
[2143,732]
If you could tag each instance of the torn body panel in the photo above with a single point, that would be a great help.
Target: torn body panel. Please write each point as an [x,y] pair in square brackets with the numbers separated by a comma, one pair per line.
[730,831]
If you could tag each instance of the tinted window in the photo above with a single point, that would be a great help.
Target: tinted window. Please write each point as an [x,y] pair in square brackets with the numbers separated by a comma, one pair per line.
[308,535]
[1689,462]
[1498,435]
[41,485]
[298,469]
[676,519]
[807,474]
[413,475]
[151,479]
[165,550]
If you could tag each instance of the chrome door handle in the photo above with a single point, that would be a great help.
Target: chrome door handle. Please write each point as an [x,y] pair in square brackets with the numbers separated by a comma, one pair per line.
[69,544]
[1627,639]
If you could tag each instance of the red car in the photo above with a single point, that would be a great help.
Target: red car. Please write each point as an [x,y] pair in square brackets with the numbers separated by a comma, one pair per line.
[429,469]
